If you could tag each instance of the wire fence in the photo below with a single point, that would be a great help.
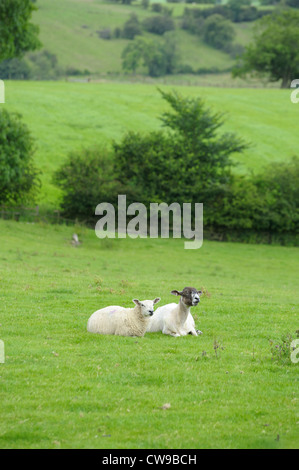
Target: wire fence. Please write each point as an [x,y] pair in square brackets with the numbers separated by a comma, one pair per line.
[32,214]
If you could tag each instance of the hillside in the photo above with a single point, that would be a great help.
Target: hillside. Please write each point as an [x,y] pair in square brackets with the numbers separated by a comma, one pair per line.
[65,116]
[70,30]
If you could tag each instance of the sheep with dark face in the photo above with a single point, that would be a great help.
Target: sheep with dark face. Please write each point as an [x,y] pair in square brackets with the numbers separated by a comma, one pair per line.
[176,319]
[116,320]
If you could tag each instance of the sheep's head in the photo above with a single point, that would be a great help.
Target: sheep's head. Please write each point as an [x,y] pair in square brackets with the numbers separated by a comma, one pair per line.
[189,295]
[146,306]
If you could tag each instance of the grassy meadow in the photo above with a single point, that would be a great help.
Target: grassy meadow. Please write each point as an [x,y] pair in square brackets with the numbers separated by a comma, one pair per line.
[69,29]
[61,387]
[65,116]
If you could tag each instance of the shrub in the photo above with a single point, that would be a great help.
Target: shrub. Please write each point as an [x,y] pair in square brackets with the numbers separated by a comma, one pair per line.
[218,32]
[105,33]
[131,27]
[159,56]
[19,177]
[189,162]
[86,179]
[158,24]
[15,69]
[157,7]
[44,66]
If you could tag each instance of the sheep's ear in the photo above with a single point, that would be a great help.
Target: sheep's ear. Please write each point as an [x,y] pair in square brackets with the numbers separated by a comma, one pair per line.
[199,292]
[176,292]
[136,301]
[157,299]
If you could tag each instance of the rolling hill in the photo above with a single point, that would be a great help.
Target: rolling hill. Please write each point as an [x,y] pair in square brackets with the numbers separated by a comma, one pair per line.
[70,30]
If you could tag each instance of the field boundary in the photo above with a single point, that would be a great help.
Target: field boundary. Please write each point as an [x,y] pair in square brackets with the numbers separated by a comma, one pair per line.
[33,215]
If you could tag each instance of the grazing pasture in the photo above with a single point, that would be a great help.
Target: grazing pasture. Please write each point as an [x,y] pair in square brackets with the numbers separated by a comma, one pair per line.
[62,387]
[67,116]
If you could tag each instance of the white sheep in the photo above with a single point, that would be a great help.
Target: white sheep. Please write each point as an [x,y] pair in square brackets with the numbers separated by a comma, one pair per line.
[176,319]
[116,320]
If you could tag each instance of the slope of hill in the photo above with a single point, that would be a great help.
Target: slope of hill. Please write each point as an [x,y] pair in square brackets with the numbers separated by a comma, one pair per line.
[69,29]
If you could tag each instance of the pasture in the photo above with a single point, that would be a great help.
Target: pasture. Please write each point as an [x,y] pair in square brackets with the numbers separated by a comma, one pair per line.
[66,116]
[70,30]
[61,387]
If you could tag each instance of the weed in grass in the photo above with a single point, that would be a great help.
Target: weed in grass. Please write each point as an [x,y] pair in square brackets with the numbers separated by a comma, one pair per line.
[217,348]
[281,349]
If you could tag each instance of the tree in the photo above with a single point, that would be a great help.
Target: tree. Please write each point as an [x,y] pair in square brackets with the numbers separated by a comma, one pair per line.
[131,27]
[86,178]
[274,52]
[159,24]
[160,57]
[19,177]
[189,162]
[293,3]
[218,32]
[17,34]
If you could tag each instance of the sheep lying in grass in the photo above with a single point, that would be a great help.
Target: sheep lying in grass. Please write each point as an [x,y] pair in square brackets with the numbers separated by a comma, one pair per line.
[115,320]
[176,319]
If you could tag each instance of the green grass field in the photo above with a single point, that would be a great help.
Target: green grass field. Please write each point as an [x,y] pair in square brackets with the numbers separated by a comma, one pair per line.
[61,387]
[70,28]
[66,116]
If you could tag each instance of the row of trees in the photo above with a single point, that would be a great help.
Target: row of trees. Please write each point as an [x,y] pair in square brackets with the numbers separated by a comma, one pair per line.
[161,56]
[273,54]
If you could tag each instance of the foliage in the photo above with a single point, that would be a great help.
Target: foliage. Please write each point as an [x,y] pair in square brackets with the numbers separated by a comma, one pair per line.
[17,34]
[159,57]
[131,27]
[15,69]
[44,66]
[158,24]
[234,12]
[188,162]
[267,202]
[86,180]
[218,32]
[274,52]
[41,65]
[19,177]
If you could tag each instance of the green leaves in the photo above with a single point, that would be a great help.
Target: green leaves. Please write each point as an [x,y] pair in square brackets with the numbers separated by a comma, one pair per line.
[159,56]
[19,177]
[17,34]
[274,52]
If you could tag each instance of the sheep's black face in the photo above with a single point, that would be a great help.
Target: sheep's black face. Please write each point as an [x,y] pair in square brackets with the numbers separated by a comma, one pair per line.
[190,296]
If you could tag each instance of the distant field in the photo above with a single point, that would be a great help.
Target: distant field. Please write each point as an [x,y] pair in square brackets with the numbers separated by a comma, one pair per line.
[61,387]
[69,29]
[66,116]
